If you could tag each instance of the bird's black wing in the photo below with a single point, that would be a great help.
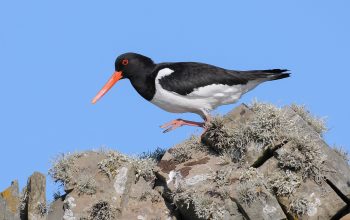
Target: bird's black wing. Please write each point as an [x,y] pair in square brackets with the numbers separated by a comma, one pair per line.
[188,76]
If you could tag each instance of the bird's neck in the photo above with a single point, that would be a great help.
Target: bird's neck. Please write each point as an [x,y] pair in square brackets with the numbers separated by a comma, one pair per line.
[144,84]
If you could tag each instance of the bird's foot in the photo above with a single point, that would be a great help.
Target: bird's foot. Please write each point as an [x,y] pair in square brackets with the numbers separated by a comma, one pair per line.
[180,122]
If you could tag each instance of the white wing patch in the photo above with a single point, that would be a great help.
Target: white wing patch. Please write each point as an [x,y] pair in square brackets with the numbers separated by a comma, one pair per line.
[162,73]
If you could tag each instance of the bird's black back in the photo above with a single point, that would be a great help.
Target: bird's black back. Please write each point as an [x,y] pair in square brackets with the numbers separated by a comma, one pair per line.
[188,76]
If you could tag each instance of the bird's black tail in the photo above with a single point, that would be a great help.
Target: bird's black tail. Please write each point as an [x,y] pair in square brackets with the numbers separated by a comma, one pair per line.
[275,74]
[267,75]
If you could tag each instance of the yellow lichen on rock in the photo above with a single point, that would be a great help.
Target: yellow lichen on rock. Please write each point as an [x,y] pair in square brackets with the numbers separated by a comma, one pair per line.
[10,195]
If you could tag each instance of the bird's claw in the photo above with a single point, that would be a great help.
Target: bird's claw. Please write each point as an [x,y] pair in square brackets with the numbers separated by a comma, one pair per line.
[178,123]
[172,125]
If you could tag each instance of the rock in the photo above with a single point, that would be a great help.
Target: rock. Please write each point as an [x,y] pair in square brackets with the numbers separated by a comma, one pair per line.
[36,189]
[56,210]
[107,184]
[346,217]
[247,167]
[11,198]
[5,212]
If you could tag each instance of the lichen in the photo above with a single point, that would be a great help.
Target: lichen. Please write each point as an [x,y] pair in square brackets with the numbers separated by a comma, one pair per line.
[86,185]
[342,152]
[63,168]
[299,206]
[41,209]
[183,152]
[111,163]
[156,155]
[102,210]
[251,186]
[318,124]
[205,207]
[303,155]
[222,177]
[267,127]
[284,183]
[144,168]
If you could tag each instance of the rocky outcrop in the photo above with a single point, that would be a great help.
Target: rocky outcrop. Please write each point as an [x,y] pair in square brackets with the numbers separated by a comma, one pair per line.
[9,202]
[257,162]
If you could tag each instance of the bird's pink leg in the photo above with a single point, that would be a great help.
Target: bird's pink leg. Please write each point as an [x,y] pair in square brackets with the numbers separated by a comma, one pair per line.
[180,122]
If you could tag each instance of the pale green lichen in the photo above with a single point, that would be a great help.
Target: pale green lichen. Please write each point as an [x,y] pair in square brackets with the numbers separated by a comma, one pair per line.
[64,169]
[111,163]
[318,124]
[156,155]
[284,183]
[102,210]
[303,155]
[251,186]
[86,184]
[342,152]
[299,206]
[205,207]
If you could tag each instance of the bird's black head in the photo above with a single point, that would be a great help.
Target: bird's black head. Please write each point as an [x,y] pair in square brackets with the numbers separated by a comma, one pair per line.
[127,65]
[132,64]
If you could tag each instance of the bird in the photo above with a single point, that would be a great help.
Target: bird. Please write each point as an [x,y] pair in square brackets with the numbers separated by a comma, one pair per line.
[181,87]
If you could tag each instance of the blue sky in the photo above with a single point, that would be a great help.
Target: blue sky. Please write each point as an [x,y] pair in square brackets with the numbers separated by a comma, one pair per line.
[55,56]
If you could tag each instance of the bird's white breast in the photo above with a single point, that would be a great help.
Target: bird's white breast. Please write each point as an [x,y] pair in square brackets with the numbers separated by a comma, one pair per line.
[201,99]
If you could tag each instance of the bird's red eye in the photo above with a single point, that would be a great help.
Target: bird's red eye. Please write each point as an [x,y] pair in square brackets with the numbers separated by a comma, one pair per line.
[125,62]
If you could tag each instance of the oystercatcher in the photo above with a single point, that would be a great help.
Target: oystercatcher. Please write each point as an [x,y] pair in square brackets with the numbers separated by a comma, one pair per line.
[186,86]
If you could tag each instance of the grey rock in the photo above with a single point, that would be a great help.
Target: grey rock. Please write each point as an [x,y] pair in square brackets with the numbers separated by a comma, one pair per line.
[5,213]
[11,197]
[36,197]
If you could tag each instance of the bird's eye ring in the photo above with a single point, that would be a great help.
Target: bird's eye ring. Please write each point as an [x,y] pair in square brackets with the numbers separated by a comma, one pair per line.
[125,62]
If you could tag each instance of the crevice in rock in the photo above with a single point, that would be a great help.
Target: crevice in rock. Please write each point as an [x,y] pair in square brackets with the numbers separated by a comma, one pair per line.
[284,209]
[240,209]
[338,192]
[166,194]
[267,154]
[342,212]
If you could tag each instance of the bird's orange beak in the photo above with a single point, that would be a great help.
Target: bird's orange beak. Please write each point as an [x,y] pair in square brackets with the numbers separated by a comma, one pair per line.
[117,75]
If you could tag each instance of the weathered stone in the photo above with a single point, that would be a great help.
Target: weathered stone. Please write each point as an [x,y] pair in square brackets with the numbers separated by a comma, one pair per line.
[5,212]
[11,197]
[36,189]
[346,217]
[194,182]
[146,203]
[338,170]
[56,210]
